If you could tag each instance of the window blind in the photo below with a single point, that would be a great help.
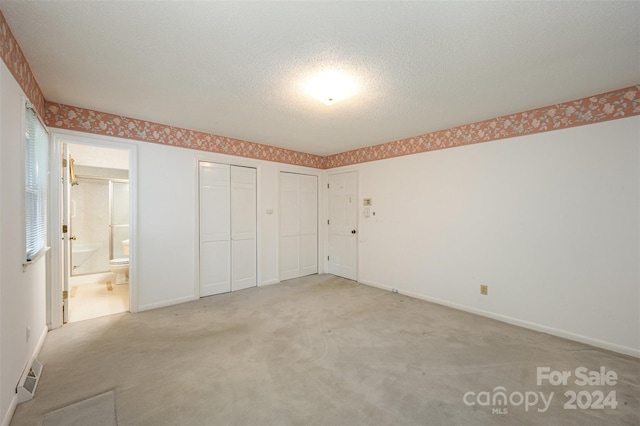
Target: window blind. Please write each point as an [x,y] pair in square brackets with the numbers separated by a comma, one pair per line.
[36,184]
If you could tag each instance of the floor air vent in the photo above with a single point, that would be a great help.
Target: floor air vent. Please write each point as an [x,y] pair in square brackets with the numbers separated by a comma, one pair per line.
[28,382]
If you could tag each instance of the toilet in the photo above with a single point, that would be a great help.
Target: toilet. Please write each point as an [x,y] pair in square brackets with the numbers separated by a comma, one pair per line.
[120,266]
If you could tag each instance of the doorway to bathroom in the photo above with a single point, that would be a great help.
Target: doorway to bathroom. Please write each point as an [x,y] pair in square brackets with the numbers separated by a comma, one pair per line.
[96,214]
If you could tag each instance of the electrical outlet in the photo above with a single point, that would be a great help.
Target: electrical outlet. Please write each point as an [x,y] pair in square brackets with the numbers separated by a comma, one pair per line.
[484,289]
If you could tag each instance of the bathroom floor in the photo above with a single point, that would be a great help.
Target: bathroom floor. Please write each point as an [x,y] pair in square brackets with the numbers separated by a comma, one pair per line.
[94,300]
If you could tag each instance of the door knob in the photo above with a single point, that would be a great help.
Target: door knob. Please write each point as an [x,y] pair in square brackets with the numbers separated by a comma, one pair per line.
[353,231]
[73,238]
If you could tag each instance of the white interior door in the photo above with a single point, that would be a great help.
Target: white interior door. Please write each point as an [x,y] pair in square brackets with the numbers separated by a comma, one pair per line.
[215,229]
[343,224]
[298,248]
[243,228]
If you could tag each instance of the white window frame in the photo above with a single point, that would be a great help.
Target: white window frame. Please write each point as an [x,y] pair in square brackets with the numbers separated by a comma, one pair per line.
[36,181]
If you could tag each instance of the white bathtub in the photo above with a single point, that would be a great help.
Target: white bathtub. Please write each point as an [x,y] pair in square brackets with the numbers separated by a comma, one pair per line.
[82,252]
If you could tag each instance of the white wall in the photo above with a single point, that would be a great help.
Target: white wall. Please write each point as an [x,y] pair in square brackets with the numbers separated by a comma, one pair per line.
[550,222]
[167,221]
[165,252]
[22,292]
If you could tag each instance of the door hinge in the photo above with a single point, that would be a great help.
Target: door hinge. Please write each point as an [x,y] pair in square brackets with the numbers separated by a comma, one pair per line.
[327,221]
[327,257]
[64,162]
[65,295]
[327,186]
[65,229]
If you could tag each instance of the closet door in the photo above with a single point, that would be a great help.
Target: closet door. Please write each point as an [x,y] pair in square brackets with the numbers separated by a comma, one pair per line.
[308,190]
[289,253]
[215,230]
[243,228]
[298,246]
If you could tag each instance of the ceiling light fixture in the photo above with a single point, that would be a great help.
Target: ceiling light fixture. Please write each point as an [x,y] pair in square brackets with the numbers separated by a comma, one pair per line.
[330,86]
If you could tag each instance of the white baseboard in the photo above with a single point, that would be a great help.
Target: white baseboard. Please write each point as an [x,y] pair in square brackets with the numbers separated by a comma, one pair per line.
[518,322]
[14,401]
[41,340]
[376,285]
[10,411]
[166,303]
[270,282]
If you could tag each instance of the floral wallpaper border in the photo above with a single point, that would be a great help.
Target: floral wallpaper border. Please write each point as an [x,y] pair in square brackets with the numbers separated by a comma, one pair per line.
[14,58]
[89,121]
[612,105]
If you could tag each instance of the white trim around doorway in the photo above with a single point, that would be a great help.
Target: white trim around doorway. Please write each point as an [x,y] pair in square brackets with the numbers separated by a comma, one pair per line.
[54,292]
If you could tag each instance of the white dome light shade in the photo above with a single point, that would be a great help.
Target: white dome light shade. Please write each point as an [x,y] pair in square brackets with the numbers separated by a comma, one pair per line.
[330,86]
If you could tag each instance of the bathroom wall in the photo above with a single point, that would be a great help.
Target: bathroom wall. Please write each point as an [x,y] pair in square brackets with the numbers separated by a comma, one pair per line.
[90,224]
[90,210]
[119,218]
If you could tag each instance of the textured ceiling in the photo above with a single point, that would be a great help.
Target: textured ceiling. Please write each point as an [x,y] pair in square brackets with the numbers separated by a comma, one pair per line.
[235,68]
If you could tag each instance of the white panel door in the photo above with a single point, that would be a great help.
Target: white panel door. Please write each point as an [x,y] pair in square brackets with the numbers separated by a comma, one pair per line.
[343,226]
[308,191]
[215,229]
[298,248]
[289,256]
[243,228]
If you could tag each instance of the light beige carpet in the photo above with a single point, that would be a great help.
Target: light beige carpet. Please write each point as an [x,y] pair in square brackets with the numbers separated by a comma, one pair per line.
[321,350]
[99,410]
